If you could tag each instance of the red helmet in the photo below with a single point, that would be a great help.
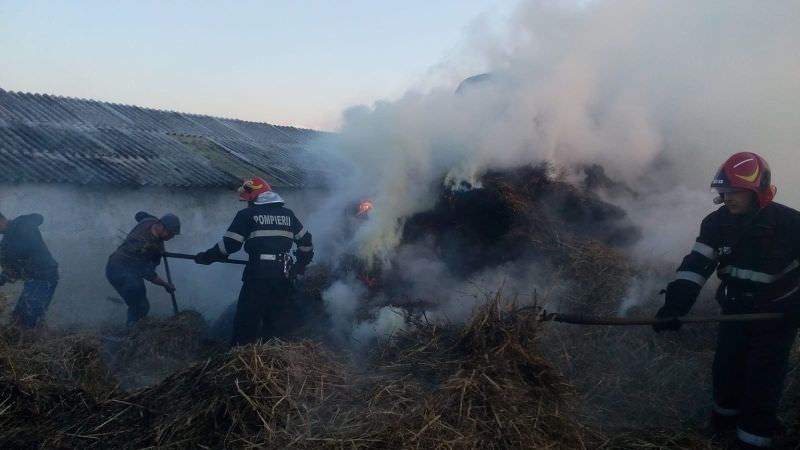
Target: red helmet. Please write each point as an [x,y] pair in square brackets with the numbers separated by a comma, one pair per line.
[252,188]
[748,171]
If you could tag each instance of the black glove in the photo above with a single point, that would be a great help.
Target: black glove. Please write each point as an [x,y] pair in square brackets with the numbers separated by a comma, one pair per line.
[203,258]
[680,297]
[296,271]
[670,325]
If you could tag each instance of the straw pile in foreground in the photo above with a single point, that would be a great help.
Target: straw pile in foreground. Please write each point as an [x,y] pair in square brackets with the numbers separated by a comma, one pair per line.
[476,386]
[44,378]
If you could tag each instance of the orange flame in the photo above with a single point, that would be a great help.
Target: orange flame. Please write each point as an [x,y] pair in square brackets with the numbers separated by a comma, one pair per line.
[364,207]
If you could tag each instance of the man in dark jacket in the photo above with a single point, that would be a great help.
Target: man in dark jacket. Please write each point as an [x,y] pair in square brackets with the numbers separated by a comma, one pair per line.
[267,230]
[136,259]
[24,256]
[754,245]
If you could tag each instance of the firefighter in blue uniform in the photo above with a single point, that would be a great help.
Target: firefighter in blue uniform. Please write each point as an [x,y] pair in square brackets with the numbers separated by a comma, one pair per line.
[267,230]
[24,256]
[754,245]
[136,259]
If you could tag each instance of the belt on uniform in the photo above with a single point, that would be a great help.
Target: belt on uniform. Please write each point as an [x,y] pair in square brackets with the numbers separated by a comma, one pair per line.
[268,257]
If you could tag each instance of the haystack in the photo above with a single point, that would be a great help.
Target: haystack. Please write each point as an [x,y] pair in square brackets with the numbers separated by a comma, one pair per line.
[531,214]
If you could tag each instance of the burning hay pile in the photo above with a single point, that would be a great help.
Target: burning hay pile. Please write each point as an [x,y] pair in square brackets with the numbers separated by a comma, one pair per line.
[533,215]
[510,221]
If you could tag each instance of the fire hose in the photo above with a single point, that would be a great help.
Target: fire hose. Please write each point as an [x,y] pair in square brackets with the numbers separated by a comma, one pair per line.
[578,319]
[187,256]
[191,257]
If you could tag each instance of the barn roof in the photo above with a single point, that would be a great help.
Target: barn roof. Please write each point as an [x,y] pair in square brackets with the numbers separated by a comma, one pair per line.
[51,139]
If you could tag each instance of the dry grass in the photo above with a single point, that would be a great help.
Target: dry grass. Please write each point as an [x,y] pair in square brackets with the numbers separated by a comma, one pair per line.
[476,386]
[252,397]
[45,377]
[486,384]
[153,349]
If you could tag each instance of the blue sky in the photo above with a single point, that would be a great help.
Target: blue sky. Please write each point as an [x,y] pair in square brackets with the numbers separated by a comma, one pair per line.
[293,62]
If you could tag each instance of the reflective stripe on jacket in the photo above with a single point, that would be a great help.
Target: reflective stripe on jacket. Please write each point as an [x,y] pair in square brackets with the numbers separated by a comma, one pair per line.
[757,258]
[266,231]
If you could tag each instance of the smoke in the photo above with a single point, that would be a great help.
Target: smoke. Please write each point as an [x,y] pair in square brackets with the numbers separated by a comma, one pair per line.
[659,93]
[84,225]
[342,299]
[386,322]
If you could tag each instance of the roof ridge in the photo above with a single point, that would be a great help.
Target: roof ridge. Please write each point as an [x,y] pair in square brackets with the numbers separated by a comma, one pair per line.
[89,100]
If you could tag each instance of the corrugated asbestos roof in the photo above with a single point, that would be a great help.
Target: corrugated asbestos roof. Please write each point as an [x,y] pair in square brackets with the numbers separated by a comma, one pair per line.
[48,139]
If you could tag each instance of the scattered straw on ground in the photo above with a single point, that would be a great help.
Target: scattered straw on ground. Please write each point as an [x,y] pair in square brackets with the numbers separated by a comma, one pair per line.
[479,385]
[152,349]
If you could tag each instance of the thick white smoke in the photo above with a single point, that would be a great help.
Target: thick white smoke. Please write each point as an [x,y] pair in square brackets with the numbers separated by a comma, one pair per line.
[658,92]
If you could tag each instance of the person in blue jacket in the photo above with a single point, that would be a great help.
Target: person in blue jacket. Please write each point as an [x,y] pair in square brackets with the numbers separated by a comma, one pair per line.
[25,257]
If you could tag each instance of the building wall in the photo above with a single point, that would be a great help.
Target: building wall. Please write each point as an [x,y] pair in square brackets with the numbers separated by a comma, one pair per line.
[83,225]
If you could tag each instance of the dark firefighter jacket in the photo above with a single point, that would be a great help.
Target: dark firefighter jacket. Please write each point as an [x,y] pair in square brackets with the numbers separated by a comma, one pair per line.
[267,232]
[757,259]
[141,252]
[23,253]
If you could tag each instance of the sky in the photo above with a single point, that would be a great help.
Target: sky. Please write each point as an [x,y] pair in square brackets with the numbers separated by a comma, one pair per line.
[298,63]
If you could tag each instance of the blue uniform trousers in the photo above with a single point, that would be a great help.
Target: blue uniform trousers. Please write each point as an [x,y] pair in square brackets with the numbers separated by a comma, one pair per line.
[33,302]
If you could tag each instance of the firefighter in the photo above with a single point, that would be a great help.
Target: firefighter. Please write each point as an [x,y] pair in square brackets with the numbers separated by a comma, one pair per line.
[24,256]
[136,259]
[267,230]
[754,245]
